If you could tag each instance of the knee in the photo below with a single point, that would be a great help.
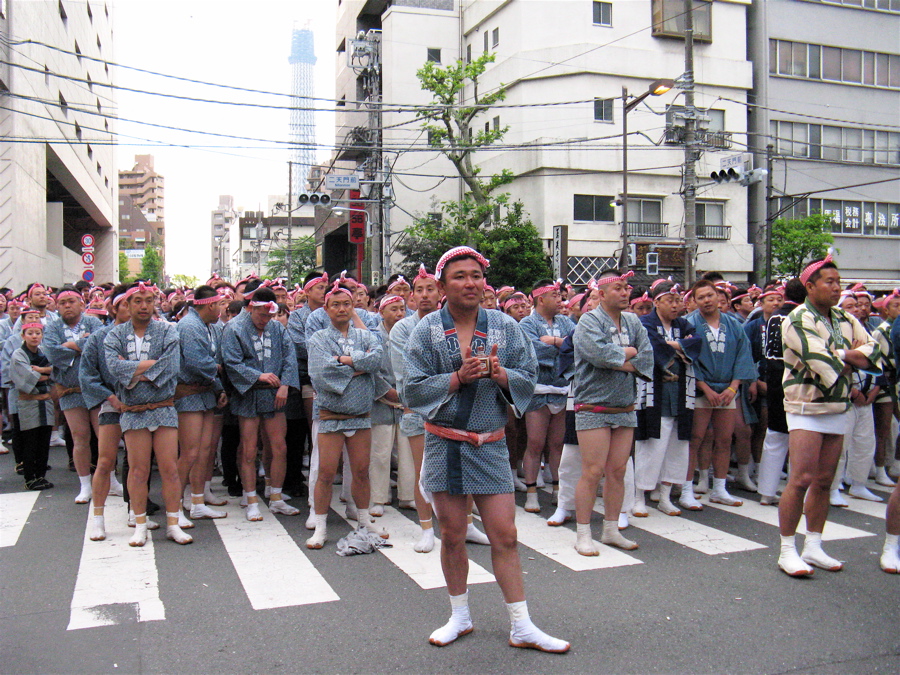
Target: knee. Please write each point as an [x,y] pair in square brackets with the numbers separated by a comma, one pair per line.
[591,474]
[105,465]
[804,479]
[504,538]
[137,475]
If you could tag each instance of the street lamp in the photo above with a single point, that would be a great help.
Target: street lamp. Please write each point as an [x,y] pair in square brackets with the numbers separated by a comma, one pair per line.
[657,88]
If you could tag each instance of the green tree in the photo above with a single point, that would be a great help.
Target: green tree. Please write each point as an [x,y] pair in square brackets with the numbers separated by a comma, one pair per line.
[450,131]
[185,281]
[303,260]
[152,264]
[124,275]
[796,242]
[512,244]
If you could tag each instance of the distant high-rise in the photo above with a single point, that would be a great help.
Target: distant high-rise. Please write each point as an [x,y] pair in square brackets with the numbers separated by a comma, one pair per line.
[303,124]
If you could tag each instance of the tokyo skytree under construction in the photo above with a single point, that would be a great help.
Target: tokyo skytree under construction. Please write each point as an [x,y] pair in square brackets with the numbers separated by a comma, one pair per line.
[303,124]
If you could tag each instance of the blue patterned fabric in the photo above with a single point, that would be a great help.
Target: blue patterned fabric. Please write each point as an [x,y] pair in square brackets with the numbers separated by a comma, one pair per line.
[199,364]
[411,423]
[535,327]
[65,361]
[97,383]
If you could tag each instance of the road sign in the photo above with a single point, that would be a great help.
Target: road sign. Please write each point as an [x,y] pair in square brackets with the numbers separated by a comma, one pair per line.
[87,258]
[731,162]
[88,275]
[342,182]
[356,225]
[87,240]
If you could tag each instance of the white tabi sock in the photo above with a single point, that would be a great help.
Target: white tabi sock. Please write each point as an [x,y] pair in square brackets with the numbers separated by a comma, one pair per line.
[559,517]
[364,520]
[320,536]
[639,510]
[426,541]
[98,529]
[139,538]
[687,499]
[523,633]
[719,494]
[890,560]
[460,622]
[814,555]
[584,541]
[173,529]
[116,489]
[476,536]
[789,560]
[210,498]
[612,537]
[85,494]
[665,501]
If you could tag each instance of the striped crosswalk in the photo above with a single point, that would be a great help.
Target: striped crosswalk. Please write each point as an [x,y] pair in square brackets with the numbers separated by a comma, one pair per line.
[118,584]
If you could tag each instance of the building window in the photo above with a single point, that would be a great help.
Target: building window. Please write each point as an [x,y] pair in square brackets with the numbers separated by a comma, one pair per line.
[879,5]
[468,53]
[603,14]
[496,122]
[434,54]
[62,13]
[90,13]
[78,132]
[248,257]
[594,208]
[435,219]
[603,109]
[99,169]
[495,35]
[669,19]
[90,151]
[835,64]
[63,105]
[99,44]
[645,210]
[852,217]
[126,216]
[711,221]
[836,144]
[77,51]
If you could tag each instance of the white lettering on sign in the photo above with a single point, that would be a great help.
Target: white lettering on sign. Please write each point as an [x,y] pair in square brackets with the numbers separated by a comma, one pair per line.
[342,182]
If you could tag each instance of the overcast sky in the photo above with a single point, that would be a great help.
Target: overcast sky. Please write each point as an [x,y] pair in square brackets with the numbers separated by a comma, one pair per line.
[244,44]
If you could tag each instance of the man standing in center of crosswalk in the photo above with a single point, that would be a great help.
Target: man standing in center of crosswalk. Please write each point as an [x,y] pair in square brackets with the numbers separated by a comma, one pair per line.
[611,350]
[463,365]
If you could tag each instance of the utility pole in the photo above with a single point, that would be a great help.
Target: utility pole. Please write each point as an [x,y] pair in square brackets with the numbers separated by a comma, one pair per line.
[287,259]
[770,209]
[387,197]
[623,258]
[690,153]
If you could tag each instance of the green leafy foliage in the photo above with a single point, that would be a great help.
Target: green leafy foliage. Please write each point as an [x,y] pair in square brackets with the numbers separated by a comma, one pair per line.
[796,242]
[125,277]
[152,265]
[185,281]
[303,260]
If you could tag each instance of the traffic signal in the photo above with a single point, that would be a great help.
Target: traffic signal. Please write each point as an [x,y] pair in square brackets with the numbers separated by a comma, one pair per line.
[745,178]
[320,198]
[652,261]
[632,255]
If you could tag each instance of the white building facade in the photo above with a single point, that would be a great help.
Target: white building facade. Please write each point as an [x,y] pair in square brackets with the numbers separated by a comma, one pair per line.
[57,143]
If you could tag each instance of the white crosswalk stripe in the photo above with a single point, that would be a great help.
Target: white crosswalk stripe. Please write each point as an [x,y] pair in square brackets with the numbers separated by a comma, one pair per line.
[692,534]
[15,508]
[116,583]
[423,568]
[872,509]
[273,569]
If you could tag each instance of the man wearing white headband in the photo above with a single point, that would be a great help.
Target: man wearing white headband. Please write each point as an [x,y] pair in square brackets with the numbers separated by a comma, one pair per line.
[261,364]
[63,342]
[464,365]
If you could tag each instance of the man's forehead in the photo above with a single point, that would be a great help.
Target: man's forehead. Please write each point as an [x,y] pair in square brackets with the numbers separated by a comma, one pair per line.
[463,264]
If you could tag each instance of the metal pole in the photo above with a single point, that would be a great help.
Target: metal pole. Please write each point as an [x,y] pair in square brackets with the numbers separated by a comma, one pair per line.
[386,222]
[770,188]
[623,258]
[290,223]
[690,174]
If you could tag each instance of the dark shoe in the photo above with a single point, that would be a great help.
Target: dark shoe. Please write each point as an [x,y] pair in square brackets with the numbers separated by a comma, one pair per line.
[49,468]
[29,484]
[152,507]
[235,491]
[20,468]
[41,484]
[71,465]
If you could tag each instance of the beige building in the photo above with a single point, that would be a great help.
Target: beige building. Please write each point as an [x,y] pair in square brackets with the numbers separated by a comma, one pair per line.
[146,192]
[57,143]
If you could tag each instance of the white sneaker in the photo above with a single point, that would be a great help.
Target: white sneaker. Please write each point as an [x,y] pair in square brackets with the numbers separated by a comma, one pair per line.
[862,492]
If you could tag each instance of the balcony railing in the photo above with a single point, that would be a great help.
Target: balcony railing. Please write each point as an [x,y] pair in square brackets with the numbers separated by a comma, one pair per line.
[647,229]
[722,232]
[717,140]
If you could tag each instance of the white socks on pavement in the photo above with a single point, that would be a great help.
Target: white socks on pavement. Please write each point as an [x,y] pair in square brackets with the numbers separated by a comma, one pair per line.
[559,517]
[199,510]
[98,527]
[860,491]
[835,498]
[814,555]
[364,520]
[743,478]
[612,537]
[882,478]
[426,541]
[532,505]
[209,498]
[183,521]
[688,500]
[702,482]
[719,494]
[174,531]
[476,536]
[186,498]
[523,633]
[320,536]
[460,622]
[639,510]
[139,538]
[790,562]
[890,560]
[351,512]
[665,501]
[278,505]
[116,489]
[151,524]
[85,494]
[584,541]
[252,513]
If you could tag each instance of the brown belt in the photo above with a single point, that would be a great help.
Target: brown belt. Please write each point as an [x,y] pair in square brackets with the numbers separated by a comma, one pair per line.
[34,397]
[329,415]
[144,407]
[461,435]
[182,390]
[59,391]
[600,408]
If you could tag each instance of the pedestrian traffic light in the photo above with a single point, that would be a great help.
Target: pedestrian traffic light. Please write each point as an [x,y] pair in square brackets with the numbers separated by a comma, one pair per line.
[320,198]
[652,261]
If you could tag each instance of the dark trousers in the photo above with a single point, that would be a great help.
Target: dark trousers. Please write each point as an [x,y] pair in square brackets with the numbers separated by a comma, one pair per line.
[35,451]
[295,439]
[16,438]
[231,439]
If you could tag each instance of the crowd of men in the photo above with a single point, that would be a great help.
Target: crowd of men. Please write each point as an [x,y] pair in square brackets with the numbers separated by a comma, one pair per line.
[472,393]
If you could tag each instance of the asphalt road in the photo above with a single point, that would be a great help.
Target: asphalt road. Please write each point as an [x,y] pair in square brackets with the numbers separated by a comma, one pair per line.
[701,595]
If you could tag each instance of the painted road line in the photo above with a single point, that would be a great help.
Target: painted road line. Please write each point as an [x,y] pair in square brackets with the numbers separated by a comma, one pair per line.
[116,583]
[558,544]
[273,569]
[15,508]
[872,509]
[423,568]
[692,534]
[769,515]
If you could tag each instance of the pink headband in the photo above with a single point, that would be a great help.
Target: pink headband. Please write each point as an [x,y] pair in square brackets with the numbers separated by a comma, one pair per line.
[361,285]
[549,288]
[423,274]
[504,289]
[456,252]
[754,288]
[67,293]
[317,280]
[642,298]
[387,300]
[738,297]
[271,305]
[778,290]
[612,280]
[26,326]
[846,295]
[337,288]
[659,281]
[400,280]
[225,292]
[278,284]
[592,285]
[140,288]
[251,276]
[35,287]
[208,301]
[214,277]
[488,287]
[687,296]
[813,268]
[518,296]
[575,301]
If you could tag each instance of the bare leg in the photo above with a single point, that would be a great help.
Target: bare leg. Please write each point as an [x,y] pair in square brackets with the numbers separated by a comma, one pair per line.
[451,513]
[330,448]
[594,444]
[79,423]
[614,487]
[190,436]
